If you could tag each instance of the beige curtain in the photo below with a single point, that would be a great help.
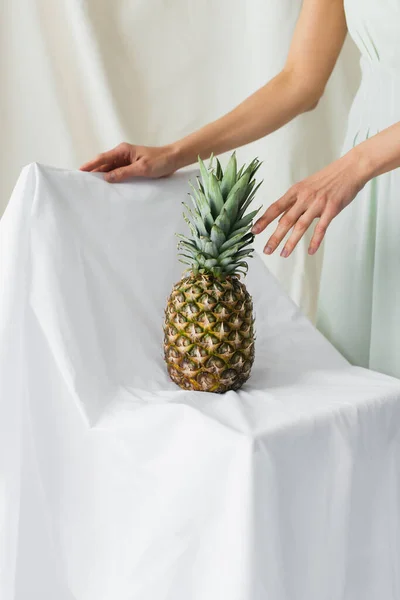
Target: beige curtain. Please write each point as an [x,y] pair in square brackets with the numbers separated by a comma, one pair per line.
[80,76]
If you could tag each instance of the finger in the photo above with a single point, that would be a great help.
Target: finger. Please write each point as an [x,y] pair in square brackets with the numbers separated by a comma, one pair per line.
[299,230]
[114,156]
[100,160]
[276,209]
[103,168]
[136,169]
[286,223]
[320,230]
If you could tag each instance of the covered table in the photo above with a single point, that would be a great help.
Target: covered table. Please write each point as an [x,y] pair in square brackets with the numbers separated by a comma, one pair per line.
[117,485]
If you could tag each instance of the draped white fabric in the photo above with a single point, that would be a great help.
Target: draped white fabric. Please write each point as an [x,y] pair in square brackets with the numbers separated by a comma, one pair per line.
[80,76]
[116,484]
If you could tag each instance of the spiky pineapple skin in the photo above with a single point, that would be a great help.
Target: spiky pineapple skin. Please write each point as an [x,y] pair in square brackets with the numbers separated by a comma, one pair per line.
[209,333]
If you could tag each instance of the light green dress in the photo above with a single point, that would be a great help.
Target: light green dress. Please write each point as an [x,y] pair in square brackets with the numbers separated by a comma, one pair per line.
[359,301]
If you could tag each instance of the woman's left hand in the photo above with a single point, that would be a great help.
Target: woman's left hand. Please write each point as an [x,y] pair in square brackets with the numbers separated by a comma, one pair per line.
[321,196]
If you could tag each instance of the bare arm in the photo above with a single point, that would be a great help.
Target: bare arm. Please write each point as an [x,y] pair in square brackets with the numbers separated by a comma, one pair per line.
[326,193]
[380,153]
[316,44]
[315,47]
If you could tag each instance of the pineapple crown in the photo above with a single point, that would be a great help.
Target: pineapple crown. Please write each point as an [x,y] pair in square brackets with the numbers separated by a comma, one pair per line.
[220,231]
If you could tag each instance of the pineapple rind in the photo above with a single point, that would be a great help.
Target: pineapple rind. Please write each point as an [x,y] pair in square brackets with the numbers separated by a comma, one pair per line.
[209,333]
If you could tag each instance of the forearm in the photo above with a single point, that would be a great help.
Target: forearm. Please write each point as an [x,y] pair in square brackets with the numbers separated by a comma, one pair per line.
[379,154]
[268,109]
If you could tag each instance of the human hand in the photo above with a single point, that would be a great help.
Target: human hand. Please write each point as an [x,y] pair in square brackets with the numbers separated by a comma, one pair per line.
[323,195]
[125,161]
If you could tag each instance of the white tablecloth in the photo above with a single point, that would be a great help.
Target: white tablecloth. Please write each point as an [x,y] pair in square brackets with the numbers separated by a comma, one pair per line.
[117,485]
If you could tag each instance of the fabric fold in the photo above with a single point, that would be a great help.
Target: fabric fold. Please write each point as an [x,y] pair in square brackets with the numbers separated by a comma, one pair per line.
[114,483]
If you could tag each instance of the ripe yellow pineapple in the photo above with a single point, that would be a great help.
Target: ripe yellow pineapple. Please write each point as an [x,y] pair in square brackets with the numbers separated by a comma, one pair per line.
[208,328]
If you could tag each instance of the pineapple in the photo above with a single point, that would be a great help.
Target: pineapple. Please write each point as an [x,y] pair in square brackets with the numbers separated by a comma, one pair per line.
[208,328]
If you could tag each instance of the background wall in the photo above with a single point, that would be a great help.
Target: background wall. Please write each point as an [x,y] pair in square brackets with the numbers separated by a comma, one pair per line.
[80,76]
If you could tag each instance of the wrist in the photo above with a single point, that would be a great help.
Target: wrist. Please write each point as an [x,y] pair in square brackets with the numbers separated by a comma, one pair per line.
[360,163]
[180,155]
[172,156]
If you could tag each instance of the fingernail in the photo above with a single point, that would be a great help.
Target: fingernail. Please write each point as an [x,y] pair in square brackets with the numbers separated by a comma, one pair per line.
[255,229]
[312,251]
[268,250]
[285,253]
[109,177]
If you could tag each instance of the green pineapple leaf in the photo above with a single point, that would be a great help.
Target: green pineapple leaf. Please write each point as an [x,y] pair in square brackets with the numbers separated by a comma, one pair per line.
[253,168]
[191,262]
[200,259]
[225,262]
[249,189]
[218,171]
[220,239]
[215,196]
[202,243]
[187,243]
[237,239]
[249,200]
[217,236]
[186,256]
[230,252]
[223,221]
[201,187]
[237,236]
[235,196]
[216,271]
[229,177]
[196,219]
[193,250]
[211,249]
[246,221]
[234,256]
[204,175]
[240,172]
[210,262]
[192,229]
[245,253]
[203,207]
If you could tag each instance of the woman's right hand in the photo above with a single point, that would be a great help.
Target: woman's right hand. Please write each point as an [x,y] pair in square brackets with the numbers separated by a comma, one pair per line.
[125,161]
